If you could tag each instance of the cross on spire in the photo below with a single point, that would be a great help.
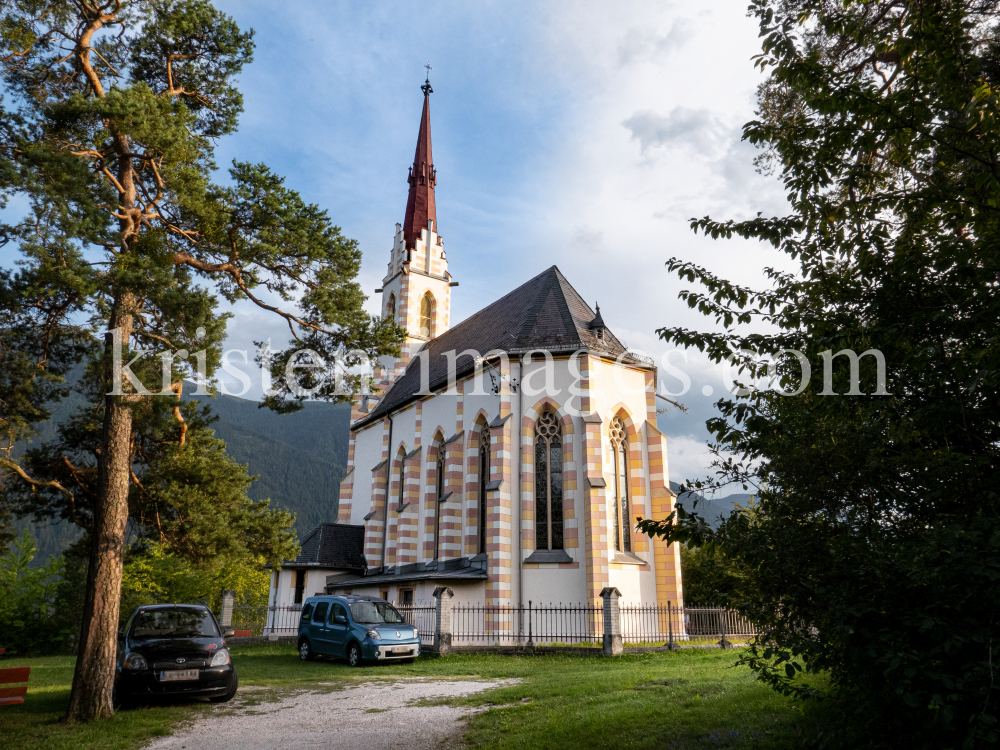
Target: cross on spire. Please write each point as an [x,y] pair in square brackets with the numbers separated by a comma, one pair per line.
[426,88]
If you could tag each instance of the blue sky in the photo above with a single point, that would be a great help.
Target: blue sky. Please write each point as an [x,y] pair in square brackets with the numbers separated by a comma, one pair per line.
[583,134]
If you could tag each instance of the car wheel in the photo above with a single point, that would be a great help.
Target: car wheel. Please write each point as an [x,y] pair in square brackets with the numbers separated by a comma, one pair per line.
[119,700]
[354,655]
[305,651]
[234,683]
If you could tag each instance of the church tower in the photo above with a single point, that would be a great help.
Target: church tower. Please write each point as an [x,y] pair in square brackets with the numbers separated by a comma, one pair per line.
[416,291]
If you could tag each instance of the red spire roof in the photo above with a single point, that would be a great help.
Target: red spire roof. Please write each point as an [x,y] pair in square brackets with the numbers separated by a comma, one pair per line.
[422,179]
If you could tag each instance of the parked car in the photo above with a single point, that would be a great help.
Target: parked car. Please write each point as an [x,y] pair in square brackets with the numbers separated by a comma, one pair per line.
[173,649]
[356,628]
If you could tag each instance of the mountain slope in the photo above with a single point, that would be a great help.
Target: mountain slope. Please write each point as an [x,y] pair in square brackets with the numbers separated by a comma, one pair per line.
[299,459]
[712,509]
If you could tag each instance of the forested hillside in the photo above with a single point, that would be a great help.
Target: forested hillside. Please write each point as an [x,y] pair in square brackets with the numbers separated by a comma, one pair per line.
[299,459]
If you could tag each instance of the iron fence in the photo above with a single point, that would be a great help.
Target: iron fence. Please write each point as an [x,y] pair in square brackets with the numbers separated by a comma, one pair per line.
[646,625]
[538,624]
[271,620]
[550,624]
[421,616]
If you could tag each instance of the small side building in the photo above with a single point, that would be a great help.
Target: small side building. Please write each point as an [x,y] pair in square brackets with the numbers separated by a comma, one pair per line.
[328,550]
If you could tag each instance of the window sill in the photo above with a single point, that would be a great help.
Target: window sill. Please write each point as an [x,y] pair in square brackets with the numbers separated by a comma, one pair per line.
[627,558]
[549,556]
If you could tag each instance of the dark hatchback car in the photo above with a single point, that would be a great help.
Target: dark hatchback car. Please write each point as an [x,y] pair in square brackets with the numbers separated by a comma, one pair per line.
[173,650]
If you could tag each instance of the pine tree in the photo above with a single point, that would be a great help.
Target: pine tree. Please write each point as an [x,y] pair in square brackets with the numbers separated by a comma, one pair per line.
[112,109]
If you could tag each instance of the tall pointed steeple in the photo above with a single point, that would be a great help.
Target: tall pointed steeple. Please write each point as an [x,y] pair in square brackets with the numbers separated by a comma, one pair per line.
[423,177]
[416,290]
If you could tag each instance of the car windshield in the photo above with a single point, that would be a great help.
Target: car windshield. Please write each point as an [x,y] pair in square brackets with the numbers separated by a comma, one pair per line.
[371,613]
[188,622]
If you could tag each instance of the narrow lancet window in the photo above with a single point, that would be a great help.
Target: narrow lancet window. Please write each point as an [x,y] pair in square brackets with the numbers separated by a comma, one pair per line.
[620,507]
[548,483]
[426,315]
[484,480]
[437,503]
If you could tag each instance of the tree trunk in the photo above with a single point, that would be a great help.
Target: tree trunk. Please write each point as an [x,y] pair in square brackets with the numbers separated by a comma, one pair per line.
[95,665]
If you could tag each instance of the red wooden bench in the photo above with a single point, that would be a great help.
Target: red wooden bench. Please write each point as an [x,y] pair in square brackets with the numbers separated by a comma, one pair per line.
[10,675]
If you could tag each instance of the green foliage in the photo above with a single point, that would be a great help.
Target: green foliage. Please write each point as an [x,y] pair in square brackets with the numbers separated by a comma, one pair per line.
[191,498]
[36,610]
[710,578]
[153,575]
[874,554]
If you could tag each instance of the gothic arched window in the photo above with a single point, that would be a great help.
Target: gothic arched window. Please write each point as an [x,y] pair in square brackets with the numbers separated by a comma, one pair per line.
[388,499]
[437,501]
[402,483]
[548,483]
[426,315]
[620,506]
[484,479]
[390,308]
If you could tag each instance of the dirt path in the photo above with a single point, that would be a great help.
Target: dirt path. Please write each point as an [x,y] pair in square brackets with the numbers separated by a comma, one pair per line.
[369,716]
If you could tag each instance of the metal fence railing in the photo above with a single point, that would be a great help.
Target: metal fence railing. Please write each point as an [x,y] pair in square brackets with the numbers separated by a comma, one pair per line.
[423,617]
[550,624]
[539,624]
[645,625]
[266,620]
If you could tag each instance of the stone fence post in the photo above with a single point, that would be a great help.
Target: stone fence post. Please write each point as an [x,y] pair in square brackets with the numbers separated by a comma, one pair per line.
[442,621]
[228,597]
[612,621]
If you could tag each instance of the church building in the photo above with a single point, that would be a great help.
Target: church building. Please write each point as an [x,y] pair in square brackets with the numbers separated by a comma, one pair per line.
[506,457]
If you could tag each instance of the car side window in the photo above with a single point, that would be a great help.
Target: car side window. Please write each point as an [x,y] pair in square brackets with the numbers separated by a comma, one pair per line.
[307,611]
[338,611]
[319,616]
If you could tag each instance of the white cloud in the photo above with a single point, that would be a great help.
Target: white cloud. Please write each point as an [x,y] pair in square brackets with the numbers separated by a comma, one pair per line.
[698,129]
[687,458]
[588,240]
[643,44]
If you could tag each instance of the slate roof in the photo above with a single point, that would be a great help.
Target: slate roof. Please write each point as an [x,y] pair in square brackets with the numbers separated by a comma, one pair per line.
[463,568]
[543,313]
[332,545]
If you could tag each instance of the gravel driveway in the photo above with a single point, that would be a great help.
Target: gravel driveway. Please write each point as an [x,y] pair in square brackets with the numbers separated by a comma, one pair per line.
[366,716]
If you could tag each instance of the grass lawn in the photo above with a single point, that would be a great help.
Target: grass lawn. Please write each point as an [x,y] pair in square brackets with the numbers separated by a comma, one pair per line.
[693,698]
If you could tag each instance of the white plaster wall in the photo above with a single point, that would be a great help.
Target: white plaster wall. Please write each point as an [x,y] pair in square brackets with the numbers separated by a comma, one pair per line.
[549,583]
[284,593]
[315,585]
[315,582]
[614,385]
[367,454]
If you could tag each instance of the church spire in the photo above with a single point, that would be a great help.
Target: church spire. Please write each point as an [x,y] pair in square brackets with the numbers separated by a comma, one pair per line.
[423,177]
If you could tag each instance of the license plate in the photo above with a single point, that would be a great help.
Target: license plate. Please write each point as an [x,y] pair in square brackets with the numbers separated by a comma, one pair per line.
[179,674]
[402,649]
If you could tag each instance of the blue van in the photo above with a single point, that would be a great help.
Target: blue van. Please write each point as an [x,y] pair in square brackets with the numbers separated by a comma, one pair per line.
[355,628]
